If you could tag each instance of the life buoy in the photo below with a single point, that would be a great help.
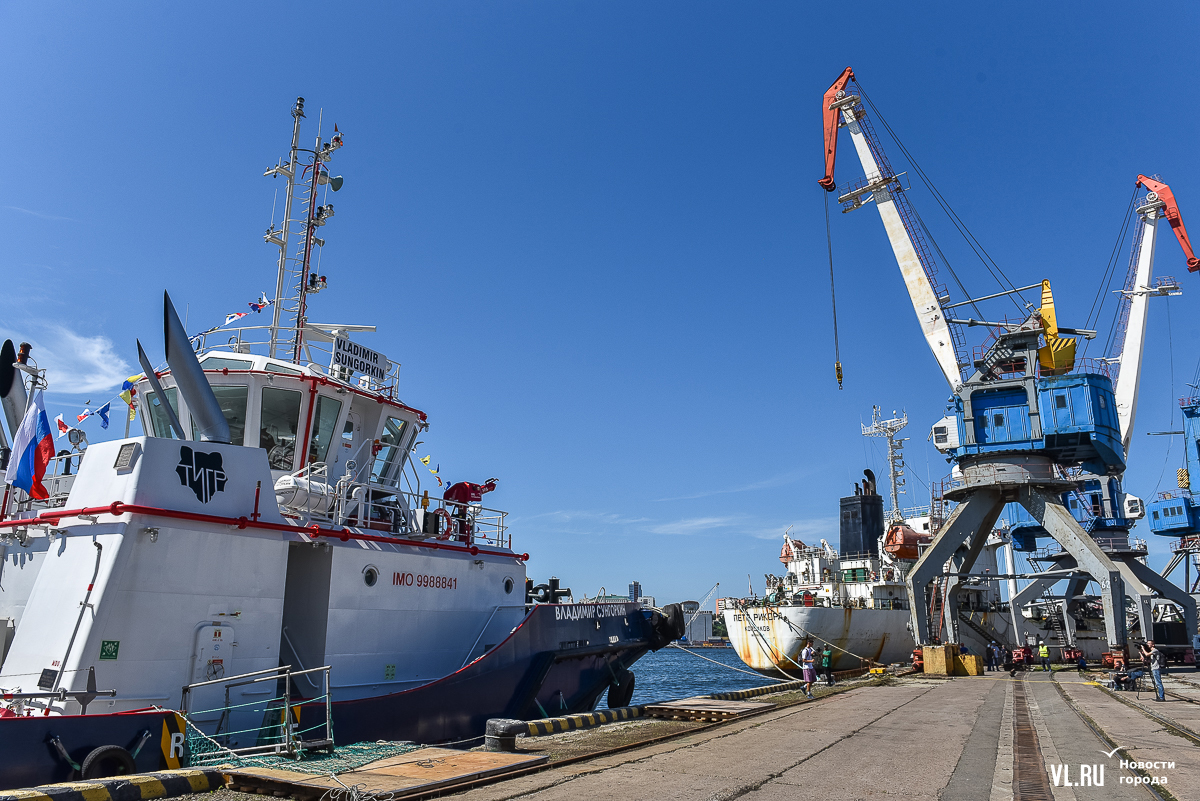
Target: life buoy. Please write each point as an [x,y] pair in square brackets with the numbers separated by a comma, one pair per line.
[447,523]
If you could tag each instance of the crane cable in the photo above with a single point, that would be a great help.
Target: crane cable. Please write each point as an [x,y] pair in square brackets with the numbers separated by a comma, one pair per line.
[837,351]
[973,243]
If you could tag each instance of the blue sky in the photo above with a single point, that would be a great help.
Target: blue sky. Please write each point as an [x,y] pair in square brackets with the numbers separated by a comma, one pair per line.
[591,232]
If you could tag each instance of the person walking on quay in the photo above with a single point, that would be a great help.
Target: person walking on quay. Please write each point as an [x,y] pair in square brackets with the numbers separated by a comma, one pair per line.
[991,655]
[1155,658]
[1044,653]
[827,665]
[807,658]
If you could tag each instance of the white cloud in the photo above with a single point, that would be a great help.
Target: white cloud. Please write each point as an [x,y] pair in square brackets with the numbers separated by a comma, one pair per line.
[810,531]
[692,525]
[38,214]
[769,483]
[75,364]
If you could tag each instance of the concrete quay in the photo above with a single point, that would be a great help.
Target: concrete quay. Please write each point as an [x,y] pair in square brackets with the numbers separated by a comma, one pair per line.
[987,738]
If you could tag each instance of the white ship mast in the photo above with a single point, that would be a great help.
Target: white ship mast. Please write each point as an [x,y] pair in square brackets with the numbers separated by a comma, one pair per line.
[295,276]
[895,456]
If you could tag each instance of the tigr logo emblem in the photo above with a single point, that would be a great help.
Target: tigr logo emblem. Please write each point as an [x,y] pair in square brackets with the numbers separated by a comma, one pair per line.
[203,472]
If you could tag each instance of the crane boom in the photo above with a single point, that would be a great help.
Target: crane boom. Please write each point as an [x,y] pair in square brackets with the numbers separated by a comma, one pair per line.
[882,186]
[1128,344]
[1171,212]
[1129,355]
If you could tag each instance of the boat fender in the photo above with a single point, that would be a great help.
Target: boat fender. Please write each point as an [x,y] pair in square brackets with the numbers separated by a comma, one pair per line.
[107,761]
[621,693]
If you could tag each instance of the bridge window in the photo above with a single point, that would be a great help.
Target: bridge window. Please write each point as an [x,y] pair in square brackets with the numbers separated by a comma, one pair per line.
[280,418]
[158,415]
[324,418]
[221,363]
[232,401]
[1060,401]
[389,462]
[279,368]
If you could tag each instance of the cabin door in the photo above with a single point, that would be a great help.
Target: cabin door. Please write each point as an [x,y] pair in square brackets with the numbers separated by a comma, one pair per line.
[306,613]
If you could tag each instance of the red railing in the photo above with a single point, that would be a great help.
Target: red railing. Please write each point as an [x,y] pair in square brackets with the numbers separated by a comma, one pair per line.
[116,509]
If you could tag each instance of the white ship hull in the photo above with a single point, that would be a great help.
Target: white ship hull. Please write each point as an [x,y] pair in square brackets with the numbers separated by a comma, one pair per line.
[770,638]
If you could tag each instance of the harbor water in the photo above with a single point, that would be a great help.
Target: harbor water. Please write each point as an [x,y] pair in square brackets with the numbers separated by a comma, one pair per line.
[679,673]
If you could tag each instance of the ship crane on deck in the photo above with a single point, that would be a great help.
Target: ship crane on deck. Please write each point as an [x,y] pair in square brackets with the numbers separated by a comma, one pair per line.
[1024,419]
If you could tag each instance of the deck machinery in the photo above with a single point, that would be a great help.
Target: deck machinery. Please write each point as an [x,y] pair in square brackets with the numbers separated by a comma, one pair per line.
[1027,422]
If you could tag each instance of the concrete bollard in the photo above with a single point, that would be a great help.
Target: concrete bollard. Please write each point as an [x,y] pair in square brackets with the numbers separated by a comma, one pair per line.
[501,734]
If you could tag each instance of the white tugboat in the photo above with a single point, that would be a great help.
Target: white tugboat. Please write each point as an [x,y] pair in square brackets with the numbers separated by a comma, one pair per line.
[270,523]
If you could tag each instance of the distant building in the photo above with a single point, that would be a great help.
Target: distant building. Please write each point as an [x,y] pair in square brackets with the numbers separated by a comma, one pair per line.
[700,622]
[609,599]
[635,590]
[647,601]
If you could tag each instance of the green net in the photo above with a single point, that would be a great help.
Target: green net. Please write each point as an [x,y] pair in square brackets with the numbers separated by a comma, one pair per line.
[206,751]
[344,758]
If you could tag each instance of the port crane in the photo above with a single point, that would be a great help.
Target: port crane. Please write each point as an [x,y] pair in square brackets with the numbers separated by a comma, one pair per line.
[1100,503]
[1025,420]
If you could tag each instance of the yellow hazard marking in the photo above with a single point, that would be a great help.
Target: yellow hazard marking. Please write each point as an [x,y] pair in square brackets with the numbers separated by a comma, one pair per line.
[148,786]
[95,792]
[198,781]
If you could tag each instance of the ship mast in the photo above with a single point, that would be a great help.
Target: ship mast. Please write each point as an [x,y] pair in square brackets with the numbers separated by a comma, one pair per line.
[895,456]
[295,280]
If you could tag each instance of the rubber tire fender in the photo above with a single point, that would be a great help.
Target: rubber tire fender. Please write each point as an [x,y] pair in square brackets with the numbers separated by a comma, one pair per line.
[107,761]
[621,694]
[676,622]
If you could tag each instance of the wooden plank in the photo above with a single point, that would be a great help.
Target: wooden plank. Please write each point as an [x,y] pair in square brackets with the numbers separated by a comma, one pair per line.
[406,774]
[708,709]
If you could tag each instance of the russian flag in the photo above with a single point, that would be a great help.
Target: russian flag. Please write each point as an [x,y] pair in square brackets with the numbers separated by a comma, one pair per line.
[32,449]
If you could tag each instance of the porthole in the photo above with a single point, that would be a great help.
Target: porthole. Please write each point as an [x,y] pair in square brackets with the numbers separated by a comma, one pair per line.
[508,586]
[370,575]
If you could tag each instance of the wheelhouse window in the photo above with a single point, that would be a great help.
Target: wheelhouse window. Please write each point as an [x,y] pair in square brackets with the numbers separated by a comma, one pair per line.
[221,363]
[390,460]
[232,400]
[324,419]
[280,419]
[272,367]
[158,415]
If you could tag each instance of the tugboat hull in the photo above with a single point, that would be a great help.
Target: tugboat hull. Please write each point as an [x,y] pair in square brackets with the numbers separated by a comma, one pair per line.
[558,661]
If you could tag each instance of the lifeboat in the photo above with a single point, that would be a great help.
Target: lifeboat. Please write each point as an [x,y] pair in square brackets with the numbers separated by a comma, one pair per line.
[785,554]
[902,542]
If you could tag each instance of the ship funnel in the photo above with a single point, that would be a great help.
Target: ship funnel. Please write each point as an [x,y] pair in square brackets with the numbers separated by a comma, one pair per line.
[189,378]
[12,388]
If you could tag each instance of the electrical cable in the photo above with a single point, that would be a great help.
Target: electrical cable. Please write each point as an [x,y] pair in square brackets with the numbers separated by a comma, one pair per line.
[1170,440]
[1125,301]
[837,351]
[972,241]
[1106,281]
[946,262]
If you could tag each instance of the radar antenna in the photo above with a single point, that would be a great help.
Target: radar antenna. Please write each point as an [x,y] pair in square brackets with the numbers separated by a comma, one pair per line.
[895,454]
